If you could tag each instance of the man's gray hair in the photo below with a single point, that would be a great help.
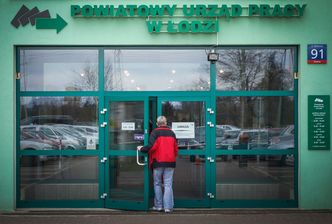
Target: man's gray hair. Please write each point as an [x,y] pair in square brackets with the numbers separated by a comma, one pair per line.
[161,121]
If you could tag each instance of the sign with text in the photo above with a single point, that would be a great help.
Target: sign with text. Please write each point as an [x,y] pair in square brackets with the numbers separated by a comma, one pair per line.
[317,54]
[319,122]
[184,129]
[139,137]
[128,126]
[193,18]
[91,143]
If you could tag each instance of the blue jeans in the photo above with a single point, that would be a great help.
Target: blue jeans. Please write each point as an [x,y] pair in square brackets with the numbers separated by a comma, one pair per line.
[161,200]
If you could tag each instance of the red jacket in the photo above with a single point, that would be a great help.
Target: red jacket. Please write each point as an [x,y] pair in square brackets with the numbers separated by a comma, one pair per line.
[162,148]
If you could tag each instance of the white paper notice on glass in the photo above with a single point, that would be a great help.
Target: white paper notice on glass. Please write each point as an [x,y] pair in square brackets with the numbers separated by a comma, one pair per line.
[184,129]
[128,126]
[91,143]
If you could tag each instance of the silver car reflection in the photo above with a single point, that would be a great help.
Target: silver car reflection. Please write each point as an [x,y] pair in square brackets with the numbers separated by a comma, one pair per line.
[51,133]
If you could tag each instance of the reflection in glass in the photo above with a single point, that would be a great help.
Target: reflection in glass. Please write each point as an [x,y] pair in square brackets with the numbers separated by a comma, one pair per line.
[189,177]
[59,177]
[255,123]
[255,177]
[126,179]
[126,125]
[255,69]
[156,70]
[59,123]
[59,70]
[187,111]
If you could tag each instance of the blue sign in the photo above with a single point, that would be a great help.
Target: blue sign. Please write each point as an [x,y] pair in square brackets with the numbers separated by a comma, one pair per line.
[139,137]
[317,54]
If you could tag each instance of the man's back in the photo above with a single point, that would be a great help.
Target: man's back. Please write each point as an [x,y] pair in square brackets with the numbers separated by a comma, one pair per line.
[162,148]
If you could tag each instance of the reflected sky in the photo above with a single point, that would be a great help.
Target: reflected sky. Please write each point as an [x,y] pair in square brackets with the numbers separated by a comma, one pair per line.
[59,70]
[156,70]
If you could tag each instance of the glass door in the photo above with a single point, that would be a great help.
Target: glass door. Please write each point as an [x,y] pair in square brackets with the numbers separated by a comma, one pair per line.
[190,119]
[126,170]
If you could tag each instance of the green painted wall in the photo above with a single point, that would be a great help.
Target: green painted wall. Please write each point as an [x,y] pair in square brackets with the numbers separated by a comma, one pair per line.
[315,176]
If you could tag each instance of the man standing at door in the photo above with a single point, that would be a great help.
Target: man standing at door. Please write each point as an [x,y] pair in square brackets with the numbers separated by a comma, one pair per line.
[162,149]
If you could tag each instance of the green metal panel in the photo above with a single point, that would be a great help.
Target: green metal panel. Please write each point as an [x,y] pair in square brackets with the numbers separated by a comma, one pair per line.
[254,204]
[255,93]
[254,152]
[59,152]
[61,204]
[59,93]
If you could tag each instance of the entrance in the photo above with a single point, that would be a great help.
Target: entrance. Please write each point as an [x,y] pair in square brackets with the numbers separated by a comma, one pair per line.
[235,122]
[128,124]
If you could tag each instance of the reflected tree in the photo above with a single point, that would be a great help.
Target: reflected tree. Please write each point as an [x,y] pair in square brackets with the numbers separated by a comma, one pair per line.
[82,110]
[241,69]
[87,78]
[247,70]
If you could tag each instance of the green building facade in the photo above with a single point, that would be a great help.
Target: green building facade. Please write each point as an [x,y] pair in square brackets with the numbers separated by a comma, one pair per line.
[82,83]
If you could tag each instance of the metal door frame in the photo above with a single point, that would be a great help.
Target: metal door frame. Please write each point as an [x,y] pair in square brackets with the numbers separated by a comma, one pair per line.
[196,203]
[123,204]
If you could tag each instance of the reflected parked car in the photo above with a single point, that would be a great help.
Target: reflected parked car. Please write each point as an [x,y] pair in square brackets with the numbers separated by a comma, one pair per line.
[33,135]
[189,144]
[88,131]
[51,133]
[29,142]
[283,142]
[228,127]
[34,144]
[245,139]
[257,138]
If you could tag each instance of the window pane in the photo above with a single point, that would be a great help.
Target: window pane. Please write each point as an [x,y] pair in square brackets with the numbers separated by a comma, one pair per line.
[59,177]
[59,123]
[148,70]
[255,123]
[187,119]
[126,125]
[189,177]
[59,70]
[126,179]
[255,69]
[255,177]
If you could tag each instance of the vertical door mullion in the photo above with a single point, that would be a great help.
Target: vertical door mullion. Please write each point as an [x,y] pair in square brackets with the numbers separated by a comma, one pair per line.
[296,112]
[18,124]
[212,149]
[105,150]
[207,151]
[102,103]
[146,167]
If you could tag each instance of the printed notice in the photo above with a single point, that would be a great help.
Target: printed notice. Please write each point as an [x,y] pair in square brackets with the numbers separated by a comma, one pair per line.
[319,122]
[128,126]
[184,129]
[91,143]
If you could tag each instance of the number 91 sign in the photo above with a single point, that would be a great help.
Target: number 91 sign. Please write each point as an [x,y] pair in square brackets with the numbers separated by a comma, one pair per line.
[317,54]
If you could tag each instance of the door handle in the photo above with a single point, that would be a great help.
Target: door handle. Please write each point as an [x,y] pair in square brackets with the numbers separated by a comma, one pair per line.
[137,159]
